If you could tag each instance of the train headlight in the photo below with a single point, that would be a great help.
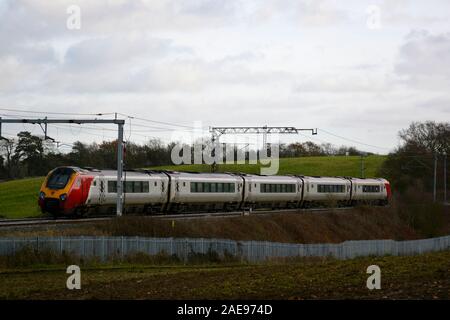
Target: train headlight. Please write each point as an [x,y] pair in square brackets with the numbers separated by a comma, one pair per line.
[42,195]
[63,197]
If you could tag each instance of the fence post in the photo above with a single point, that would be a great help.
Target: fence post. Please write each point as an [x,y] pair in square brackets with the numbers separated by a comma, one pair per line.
[60,245]
[103,249]
[185,246]
[122,247]
[84,246]
[37,244]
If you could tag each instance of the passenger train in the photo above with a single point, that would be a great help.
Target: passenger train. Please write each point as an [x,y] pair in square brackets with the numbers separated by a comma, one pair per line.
[80,191]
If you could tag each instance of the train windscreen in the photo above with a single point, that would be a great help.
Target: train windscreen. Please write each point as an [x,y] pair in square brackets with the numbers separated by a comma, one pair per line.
[59,178]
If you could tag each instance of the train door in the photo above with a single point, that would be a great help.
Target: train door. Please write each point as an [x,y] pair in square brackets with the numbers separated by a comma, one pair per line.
[101,189]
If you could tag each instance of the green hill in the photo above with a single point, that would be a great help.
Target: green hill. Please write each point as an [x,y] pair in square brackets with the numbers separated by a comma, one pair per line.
[314,166]
[18,198]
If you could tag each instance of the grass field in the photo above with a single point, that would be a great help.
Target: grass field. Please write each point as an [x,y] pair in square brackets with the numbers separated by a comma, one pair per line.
[314,166]
[18,199]
[412,277]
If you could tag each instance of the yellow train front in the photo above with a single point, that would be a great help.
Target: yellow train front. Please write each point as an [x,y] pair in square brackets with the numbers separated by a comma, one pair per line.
[64,191]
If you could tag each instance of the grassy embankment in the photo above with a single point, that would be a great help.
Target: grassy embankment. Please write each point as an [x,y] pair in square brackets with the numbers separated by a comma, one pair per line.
[18,199]
[314,166]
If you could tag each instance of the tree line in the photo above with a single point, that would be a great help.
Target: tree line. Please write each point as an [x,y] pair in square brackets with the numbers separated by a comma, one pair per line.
[411,166]
[29,155]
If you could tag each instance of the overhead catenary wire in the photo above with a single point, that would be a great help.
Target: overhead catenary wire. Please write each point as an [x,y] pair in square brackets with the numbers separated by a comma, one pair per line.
[352,140]
[58,113]
[161,129]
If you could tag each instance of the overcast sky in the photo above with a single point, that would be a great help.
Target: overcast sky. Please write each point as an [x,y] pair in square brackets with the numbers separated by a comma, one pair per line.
[327,64]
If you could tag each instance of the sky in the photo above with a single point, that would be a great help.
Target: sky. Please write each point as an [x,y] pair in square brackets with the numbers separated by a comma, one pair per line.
[359,71]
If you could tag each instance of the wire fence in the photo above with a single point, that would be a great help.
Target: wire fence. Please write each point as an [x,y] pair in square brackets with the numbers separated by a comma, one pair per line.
[105,248]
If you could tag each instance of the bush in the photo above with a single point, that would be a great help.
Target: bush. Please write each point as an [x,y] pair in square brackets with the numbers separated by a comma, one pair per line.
[417,209]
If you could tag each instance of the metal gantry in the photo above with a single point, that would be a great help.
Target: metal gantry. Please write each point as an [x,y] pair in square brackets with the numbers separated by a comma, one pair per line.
[216,132]
[119,122]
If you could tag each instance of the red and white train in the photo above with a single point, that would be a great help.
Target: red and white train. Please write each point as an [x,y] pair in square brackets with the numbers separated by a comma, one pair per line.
[79,191]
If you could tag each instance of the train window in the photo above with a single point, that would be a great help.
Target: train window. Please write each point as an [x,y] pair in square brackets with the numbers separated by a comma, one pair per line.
[59,178]
[184,184]
[156,183]
[112,186]
[95,183]
[372,189]
[128,186]
[330,188]
[277,188]
[212,187]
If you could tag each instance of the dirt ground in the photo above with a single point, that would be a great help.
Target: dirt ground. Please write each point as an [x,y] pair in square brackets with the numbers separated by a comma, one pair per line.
[415,277]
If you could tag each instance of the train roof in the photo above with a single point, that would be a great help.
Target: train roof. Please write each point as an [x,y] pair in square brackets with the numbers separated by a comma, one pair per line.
[111,172]
[330,179]
[368,180]
[217,175]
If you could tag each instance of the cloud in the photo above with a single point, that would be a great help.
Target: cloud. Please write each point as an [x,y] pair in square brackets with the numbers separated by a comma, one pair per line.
[346,81]
[311,62]
[424,60]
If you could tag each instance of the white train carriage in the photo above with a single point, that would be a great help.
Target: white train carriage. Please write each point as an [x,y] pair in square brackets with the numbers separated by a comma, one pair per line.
[144,192]
[204,192]
[326,190]
[370,190]
[272,191]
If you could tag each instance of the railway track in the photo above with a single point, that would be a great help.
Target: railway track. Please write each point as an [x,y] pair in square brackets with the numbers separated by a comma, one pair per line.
[64,220]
